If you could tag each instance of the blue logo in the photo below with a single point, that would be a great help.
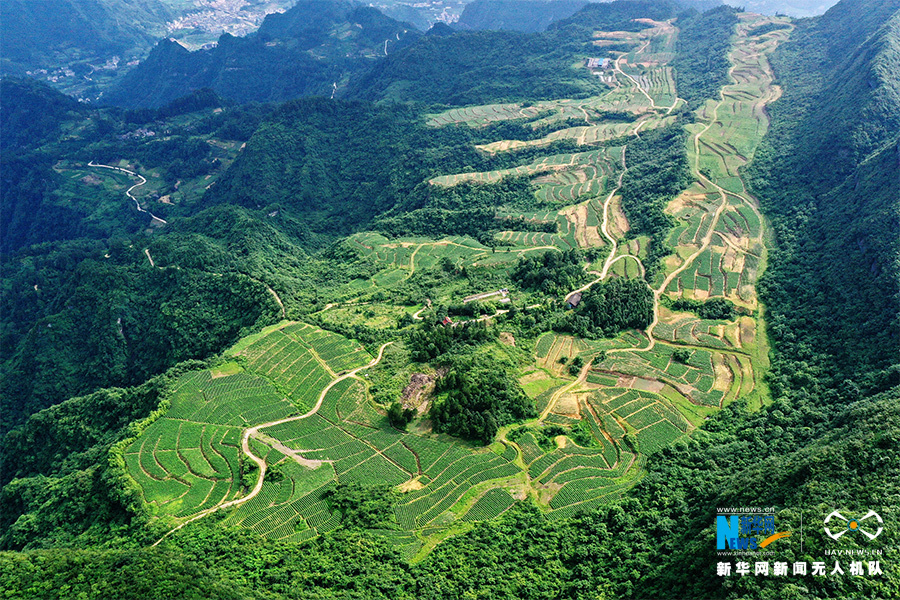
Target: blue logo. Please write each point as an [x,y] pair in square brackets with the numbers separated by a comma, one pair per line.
[742,532]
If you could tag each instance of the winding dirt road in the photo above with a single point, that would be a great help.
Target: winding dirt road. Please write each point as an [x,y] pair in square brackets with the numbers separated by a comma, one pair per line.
[142,181]
[707,238]
[254,432]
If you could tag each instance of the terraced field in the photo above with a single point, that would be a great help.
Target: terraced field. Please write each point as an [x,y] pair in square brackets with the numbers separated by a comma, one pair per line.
[582,135]
[560,178]
[265,436]
[189,462]
[636,394]
[483,115]
[633,394]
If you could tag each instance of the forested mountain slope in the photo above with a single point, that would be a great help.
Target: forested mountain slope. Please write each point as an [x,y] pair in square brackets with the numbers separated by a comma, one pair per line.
[308,50]
[84,306]
[327,48]
[478,67]
[510,350]
[41,34]
[838,125]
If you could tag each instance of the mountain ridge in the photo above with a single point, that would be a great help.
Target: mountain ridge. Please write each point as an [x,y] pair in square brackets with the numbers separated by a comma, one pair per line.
[308,50]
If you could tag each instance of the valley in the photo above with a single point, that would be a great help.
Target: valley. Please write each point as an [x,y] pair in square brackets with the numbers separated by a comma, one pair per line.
[506,307]
[632,395]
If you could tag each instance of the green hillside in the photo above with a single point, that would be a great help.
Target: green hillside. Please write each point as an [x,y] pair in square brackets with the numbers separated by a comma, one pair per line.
[41,34]
[480,67]
[308,50]
[839,124]
[528,332]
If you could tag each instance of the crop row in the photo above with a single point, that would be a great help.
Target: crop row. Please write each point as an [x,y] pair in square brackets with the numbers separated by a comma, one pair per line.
[449,482]
[494,503]
[235,400]
[657,436]
[580,490]
[479,115]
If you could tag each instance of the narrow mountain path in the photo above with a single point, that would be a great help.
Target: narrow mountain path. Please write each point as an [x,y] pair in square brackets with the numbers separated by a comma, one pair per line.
[254,432]
[582,376]
[272,292]
[277,299]
[412,262]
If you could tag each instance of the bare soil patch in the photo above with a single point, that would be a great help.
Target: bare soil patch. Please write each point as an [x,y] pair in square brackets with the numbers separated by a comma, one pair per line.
[419,388]
[619,223]
[567,405]
[507,338]
[724,376]
[410,486]
[648,385]
[748,331]
[624,381]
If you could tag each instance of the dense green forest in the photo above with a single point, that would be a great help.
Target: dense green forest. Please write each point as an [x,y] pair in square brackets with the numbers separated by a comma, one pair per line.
[838,125]
[610,308]
[529,17]
[83,307]
[481,396]
[302,52]
[552,272]
[658,171]
[700,63]
[288,211]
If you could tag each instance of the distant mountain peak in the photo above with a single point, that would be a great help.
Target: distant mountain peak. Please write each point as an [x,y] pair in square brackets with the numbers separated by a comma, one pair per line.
[304,51]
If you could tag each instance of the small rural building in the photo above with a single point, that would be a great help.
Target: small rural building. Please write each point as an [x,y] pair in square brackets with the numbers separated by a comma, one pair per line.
[447,321]
[574,300]
[597,63]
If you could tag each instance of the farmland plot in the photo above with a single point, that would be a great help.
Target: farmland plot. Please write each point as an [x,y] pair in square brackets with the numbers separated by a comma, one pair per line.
[312,417]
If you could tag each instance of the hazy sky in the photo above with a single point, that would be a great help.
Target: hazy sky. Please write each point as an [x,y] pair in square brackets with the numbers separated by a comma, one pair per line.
[794,8]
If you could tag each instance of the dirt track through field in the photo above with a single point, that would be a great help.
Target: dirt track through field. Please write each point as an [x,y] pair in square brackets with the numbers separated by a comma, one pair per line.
[254,432]
[769,93]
